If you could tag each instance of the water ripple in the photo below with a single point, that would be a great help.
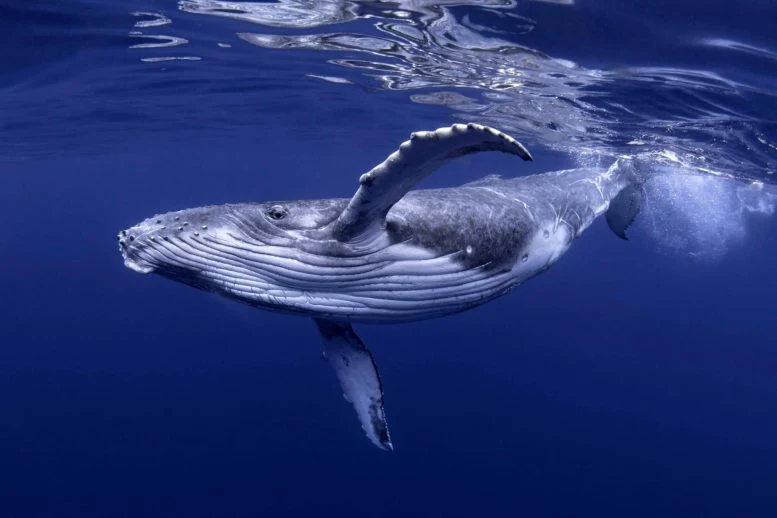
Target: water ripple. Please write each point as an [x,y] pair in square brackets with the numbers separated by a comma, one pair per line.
[481,71]
[155,20]
[157,41]
[483,60]
[740,47]
[295,14]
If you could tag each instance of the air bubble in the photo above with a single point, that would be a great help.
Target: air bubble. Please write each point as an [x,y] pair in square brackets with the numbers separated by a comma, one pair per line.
[525,258]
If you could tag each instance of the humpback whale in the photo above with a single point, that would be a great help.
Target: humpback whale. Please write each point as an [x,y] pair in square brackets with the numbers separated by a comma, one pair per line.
[388,254]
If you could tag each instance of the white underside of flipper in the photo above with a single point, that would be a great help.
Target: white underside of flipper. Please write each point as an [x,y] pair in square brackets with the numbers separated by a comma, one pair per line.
[358,375]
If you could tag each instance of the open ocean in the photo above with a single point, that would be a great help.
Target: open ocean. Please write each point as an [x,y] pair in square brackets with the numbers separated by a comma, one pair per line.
[633,379]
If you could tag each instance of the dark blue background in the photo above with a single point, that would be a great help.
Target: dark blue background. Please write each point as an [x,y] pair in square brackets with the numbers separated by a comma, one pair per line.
[623,382]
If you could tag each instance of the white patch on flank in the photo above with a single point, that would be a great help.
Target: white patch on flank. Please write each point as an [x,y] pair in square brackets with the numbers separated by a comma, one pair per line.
[541,252]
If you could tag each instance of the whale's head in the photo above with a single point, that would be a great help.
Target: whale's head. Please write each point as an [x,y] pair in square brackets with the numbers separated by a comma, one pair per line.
[267,254]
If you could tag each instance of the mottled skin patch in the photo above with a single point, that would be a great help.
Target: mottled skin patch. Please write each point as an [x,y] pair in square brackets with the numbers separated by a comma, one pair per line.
[475,222]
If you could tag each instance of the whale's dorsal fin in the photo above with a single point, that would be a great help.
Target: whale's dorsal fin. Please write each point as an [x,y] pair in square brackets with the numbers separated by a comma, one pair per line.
[385,184]
[358,375]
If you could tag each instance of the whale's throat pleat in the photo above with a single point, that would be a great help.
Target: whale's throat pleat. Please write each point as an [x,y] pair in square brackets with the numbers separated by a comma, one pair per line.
[397,282]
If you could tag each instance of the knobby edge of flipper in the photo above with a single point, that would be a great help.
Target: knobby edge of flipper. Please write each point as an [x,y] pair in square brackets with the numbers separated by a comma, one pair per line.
[426,151]
[357,373]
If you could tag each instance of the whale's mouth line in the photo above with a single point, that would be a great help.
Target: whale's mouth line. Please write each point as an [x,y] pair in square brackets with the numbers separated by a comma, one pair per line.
[135,266]
[133,261]
[131,244]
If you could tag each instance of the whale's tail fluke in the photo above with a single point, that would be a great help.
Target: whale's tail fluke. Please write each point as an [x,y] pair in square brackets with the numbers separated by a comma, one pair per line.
[625,206]
[624,209]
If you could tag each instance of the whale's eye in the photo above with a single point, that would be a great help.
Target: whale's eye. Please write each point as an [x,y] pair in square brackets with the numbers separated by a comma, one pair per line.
[277,212]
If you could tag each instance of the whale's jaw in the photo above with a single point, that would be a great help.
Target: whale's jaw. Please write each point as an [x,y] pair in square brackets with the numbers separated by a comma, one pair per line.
[131,251]
[136,266]
[146,246]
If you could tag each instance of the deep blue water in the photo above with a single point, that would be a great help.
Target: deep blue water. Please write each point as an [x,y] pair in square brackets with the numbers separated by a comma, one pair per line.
[632,379]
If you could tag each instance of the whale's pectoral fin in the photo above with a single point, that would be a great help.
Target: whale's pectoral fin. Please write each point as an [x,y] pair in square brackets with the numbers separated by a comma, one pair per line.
[388,182]
[624,209]
[358,375]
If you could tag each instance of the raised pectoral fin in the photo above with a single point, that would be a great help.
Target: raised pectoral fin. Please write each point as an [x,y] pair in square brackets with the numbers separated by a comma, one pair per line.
[358,375]
[389,181]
